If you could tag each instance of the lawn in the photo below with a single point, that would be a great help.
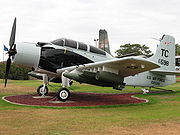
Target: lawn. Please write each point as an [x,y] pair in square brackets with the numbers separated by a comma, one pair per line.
[160,116]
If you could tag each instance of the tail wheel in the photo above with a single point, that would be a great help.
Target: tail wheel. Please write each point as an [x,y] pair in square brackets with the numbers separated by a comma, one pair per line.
[42,91]
[63,94]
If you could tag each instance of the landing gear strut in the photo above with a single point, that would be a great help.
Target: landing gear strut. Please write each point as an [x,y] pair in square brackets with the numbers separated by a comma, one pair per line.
[63,94]
[42,90]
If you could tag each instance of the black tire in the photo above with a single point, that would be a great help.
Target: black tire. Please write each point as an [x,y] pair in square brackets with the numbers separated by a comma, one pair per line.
[70,83]
[63,94]
[39,90]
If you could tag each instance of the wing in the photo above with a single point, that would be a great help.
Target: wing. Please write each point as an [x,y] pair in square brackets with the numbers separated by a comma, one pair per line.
[125,66]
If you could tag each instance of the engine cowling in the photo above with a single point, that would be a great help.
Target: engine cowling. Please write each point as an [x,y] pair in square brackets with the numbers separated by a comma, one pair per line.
[28,54]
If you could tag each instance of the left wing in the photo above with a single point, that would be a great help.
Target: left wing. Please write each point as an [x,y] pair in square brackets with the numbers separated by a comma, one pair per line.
[125,67]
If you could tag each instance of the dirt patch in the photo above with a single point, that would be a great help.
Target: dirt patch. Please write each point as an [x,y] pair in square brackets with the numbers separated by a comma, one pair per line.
[151,129]
[76,99]
[15,89]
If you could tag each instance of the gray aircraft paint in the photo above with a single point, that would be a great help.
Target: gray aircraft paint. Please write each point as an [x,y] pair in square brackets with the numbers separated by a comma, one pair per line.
[28,54]
[165,57]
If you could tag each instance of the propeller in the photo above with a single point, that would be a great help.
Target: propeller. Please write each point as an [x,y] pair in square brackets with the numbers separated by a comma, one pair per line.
[12,51]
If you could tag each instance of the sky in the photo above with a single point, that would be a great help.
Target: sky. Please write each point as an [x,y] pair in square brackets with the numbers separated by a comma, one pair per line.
[127,21]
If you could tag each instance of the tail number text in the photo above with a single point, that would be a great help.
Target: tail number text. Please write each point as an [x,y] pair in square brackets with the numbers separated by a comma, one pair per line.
[163,62]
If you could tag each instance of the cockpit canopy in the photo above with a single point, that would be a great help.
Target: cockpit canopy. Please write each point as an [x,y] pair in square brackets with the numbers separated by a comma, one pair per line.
[59,42]
[77,45]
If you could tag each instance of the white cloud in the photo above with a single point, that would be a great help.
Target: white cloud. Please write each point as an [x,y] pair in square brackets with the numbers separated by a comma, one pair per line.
[127,21]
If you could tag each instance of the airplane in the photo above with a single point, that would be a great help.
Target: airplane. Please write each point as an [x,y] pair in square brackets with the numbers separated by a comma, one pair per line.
[149,79]
[68,59]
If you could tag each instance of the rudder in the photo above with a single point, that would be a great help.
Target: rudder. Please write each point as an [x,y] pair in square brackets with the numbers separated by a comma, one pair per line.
[103,41]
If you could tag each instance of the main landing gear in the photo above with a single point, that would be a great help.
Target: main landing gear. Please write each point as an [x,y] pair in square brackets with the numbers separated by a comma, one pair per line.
[42,90]
[62,94]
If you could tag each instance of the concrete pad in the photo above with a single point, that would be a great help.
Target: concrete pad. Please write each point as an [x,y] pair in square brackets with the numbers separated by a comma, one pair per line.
[57,102]
[41,97]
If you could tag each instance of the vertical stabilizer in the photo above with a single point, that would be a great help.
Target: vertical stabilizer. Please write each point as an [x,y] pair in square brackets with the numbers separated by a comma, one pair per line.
[103,41]
[165,53]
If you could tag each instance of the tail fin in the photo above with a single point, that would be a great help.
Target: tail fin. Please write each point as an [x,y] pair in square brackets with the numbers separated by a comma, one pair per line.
[165,54]
[103,41]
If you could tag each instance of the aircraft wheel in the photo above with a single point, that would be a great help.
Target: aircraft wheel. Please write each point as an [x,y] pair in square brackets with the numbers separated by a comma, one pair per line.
[42,91]
[63,94]
[70,83]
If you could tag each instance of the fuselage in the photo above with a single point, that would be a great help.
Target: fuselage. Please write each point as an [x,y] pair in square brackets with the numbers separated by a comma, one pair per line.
[149,79]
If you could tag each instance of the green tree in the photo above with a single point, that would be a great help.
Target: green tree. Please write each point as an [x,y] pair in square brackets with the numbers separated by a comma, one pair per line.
[16,72]
[177,49]
[134,48]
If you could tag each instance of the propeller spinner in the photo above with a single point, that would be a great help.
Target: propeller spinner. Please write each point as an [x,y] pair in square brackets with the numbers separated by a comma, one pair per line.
[12,51]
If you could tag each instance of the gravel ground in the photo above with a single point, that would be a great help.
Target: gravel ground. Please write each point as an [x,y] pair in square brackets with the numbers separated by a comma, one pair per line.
[76,99]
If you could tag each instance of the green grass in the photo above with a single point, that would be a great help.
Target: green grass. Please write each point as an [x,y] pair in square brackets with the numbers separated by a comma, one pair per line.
[85,87]
[163,109]
[32,83]
[153,98]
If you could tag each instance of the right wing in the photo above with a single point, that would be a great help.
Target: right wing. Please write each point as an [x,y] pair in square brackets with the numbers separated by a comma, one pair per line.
[124,67]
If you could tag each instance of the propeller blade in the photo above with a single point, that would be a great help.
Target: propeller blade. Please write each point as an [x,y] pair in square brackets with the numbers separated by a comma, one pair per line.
[8,65]
[13,34]
[12,51]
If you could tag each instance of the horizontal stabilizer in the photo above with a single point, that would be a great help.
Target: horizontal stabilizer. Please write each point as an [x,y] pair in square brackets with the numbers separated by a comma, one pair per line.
[164,72]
